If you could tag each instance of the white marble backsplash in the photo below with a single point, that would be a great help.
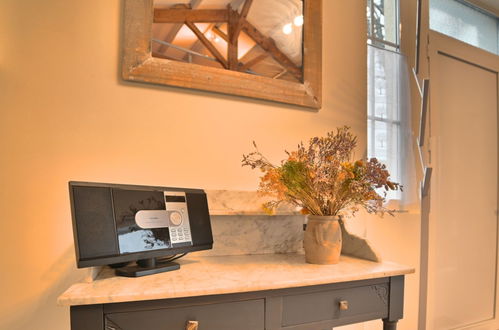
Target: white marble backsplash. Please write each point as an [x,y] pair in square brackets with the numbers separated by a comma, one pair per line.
[238,202]
[240,226]
[255,234]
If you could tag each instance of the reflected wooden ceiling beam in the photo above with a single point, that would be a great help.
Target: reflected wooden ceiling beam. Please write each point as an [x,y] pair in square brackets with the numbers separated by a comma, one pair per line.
[220,33]
[207,43]
[246,8]
[249,53]
[188,51]
[280,74]
[268,44]
[190,15]
[176,27]
[236,23]
[232,45]
[252,62]
[197,46]
[166,57]
[233,29]
[243,14]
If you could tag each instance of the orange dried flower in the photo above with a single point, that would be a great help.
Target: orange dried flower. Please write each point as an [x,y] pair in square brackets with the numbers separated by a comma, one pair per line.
[321,178]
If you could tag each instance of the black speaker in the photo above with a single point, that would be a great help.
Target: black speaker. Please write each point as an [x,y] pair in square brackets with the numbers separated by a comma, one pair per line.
[95,226]
[198,211]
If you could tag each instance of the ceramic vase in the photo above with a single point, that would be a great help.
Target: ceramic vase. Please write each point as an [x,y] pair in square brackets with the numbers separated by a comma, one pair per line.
[322,242]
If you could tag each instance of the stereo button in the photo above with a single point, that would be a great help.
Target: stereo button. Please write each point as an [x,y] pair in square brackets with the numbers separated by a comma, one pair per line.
[176,218]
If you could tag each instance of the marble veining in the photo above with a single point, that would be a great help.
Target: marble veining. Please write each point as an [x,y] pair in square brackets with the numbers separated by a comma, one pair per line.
[238,202]
[261,234]
[240,226]
[250,234]
[200,275]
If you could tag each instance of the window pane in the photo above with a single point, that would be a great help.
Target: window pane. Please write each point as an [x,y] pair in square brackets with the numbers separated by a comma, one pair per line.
[384,111]
[369,22]
[387,150]
[381,141]
[385,19]
[370,139]
[383,89]
[465,23]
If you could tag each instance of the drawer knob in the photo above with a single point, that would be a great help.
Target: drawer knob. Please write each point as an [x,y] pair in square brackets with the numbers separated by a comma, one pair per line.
[192,325]
[343,305]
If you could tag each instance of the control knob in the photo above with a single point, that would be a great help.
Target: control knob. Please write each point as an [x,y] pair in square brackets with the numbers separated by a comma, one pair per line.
[175,218]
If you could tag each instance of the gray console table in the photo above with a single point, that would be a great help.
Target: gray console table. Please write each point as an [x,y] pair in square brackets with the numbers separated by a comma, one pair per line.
[242,293]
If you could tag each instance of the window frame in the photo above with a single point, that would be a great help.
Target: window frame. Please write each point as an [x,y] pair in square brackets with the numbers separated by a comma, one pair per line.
[475,8]
[373,41]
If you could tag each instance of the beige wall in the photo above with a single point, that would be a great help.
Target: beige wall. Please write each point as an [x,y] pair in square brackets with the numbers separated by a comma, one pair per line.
[65,115]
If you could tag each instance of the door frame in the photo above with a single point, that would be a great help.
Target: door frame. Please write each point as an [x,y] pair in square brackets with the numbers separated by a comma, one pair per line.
[440,44]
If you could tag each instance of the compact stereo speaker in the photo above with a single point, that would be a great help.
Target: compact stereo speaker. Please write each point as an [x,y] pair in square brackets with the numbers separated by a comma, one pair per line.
[115,223]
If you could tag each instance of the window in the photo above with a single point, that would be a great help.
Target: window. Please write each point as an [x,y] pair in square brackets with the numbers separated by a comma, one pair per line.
[383,116]
[465,22]
[383,24]
[385,67]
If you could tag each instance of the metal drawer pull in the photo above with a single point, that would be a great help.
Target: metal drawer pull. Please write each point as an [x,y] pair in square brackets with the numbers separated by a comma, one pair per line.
[192,325]
[343,305]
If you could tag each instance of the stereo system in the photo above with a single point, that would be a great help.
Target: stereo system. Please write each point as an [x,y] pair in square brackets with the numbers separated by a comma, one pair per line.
[114,224]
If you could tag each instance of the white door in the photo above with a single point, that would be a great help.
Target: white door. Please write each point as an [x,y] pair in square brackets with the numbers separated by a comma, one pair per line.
[463,223]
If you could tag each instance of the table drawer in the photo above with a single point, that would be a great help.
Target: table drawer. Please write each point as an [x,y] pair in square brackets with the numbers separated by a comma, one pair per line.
[364,303]
[241,315]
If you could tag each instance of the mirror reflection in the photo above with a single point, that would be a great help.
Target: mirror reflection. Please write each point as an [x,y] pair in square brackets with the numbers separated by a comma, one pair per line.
[259,37]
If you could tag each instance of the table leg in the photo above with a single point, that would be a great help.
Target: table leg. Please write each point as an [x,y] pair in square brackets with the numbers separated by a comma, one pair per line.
[389,325]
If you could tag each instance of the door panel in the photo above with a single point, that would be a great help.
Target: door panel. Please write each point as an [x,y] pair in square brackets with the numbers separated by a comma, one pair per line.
[463,221]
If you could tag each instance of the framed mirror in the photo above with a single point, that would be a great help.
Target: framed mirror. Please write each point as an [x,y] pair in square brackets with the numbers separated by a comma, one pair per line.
[265,49]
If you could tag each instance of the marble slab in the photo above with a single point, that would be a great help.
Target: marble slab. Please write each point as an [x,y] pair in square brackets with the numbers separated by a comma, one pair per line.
[199,276]
[260,234]
[238,202]
[250,234]
[240,226]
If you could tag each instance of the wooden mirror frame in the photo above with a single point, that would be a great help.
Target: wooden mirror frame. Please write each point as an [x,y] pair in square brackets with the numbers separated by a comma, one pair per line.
[139,65]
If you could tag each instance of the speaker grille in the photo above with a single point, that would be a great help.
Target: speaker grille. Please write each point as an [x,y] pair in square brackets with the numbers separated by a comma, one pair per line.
[199,218]
[94,221]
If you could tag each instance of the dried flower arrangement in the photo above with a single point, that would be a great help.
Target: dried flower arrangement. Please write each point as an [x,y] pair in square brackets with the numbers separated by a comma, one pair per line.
[322,179]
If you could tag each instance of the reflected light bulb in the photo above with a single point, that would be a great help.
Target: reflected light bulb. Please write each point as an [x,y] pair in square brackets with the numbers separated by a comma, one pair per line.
[298,21]
[287,29]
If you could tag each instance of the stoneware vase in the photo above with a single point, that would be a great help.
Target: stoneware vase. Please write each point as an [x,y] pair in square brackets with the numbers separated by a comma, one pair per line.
[322,242]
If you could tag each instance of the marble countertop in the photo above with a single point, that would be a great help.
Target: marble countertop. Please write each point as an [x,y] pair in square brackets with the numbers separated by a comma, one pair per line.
[200,275]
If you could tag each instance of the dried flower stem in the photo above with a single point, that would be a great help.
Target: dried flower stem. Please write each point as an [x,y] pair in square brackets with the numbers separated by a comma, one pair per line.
[322,180]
